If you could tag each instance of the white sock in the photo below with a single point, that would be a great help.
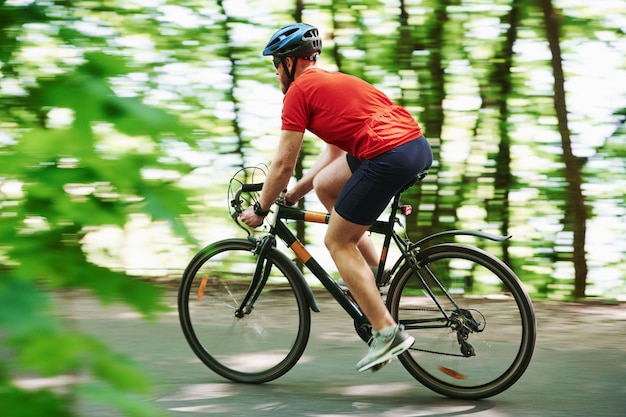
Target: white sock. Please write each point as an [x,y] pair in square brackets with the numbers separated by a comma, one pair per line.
[387,331]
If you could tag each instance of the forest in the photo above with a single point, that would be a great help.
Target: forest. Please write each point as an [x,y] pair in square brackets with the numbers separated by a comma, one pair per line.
[122,122]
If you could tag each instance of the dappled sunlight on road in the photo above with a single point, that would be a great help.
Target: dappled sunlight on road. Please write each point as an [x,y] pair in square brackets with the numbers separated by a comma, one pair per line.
[374,390]
[415,411]
[202,392]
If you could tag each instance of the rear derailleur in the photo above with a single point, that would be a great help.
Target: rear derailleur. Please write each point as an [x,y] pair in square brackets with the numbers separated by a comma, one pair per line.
[463,323]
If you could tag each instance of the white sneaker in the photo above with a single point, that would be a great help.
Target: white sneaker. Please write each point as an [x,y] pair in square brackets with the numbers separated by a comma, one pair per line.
[382,349]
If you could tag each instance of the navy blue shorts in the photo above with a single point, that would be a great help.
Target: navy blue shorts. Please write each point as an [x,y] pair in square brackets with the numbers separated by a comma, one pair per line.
[374,182]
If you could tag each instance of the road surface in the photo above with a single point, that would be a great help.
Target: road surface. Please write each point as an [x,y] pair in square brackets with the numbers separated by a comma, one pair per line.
[578,370]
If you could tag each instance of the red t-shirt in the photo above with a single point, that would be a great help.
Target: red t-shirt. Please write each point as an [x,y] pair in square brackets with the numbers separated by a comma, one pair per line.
[347,112]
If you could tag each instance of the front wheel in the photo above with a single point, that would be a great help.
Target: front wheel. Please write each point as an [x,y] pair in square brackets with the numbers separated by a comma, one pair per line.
[472,319]
[256,342]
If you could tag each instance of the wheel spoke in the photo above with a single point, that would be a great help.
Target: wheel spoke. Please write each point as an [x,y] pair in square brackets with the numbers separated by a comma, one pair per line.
[489,339]
[255,345]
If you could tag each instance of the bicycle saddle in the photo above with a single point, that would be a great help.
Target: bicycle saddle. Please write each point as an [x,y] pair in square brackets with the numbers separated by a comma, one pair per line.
[419,177]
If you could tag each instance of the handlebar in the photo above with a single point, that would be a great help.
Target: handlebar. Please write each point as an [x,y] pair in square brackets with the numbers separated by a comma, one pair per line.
[249,188]
[236,202]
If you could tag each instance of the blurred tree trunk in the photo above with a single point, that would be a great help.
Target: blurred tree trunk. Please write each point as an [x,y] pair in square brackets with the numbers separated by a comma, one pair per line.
[496,94]
[575,215]
[299,170]
[429,37]
[230,96]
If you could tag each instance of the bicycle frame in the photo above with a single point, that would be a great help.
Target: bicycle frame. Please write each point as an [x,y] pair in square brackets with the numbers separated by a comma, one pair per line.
[280,213]
[280,229]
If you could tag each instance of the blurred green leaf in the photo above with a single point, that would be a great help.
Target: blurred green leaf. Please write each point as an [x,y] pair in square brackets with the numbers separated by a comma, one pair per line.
[68,352]
[132,117]
[16,402]
[121,373]
[73,174]
[62,263]
[102,65]
[24,308]
[163,203]
[56,353]
[130,405]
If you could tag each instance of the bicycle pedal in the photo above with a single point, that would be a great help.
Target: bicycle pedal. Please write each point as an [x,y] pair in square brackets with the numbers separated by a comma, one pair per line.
[381,365]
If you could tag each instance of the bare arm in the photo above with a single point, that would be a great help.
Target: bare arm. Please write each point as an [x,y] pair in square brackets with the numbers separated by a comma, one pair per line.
[305,185]
[280,172]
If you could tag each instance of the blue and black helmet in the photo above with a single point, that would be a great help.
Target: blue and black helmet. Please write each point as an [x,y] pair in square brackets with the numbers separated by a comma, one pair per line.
[296,40]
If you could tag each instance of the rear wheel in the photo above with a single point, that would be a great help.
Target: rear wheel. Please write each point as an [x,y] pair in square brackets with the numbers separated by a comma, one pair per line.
[252,343]
[484,342]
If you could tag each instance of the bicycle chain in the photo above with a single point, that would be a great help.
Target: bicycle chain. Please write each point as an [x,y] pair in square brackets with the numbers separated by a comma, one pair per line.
[426,350]
[437,353]
[421,309]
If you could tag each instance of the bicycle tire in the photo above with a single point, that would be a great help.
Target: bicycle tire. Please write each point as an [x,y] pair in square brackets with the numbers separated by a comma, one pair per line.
[257,347]
[493,295]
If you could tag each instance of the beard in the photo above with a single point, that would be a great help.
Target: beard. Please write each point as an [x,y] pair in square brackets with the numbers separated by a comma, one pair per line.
[284,83]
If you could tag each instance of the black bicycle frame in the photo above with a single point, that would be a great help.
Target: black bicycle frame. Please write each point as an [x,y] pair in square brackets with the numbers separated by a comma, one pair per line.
[280,229]
[386,228]
[286,235]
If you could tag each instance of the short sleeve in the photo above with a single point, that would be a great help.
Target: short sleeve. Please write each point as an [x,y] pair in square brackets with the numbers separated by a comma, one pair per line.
[295,114]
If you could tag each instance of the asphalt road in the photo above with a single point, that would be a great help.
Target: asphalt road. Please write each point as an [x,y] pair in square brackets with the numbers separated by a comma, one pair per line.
[579,369]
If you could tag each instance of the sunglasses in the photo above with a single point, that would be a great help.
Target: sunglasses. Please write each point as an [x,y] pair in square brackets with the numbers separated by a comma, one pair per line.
[276,61]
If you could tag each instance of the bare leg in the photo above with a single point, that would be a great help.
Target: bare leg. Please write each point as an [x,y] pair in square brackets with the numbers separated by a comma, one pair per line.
[341,240]
[328,184]
[367,249]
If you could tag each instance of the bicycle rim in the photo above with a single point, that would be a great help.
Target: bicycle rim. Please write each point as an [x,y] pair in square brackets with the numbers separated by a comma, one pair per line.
[492,309]
[260,345]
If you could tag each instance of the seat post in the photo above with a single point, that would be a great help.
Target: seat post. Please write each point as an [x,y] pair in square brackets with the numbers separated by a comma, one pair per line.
[394,207]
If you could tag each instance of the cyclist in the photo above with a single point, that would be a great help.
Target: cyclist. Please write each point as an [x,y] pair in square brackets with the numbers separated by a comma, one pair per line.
[374,148]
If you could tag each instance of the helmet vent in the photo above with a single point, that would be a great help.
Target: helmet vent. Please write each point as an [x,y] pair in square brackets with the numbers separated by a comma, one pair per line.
[297,40]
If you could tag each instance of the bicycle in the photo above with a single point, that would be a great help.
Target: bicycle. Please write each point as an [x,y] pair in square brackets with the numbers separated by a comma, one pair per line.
[245,308]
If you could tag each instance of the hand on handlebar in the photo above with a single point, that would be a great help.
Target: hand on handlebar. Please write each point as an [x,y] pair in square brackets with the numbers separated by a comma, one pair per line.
[290,199]
[250,218]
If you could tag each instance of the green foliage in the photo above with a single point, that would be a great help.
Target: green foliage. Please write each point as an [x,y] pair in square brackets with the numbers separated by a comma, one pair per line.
[68,178]
[126,403]
[17,402]
[24,307]
[40,344]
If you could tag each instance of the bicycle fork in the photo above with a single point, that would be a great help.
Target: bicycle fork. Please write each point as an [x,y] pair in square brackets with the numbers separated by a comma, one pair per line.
[261,274]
